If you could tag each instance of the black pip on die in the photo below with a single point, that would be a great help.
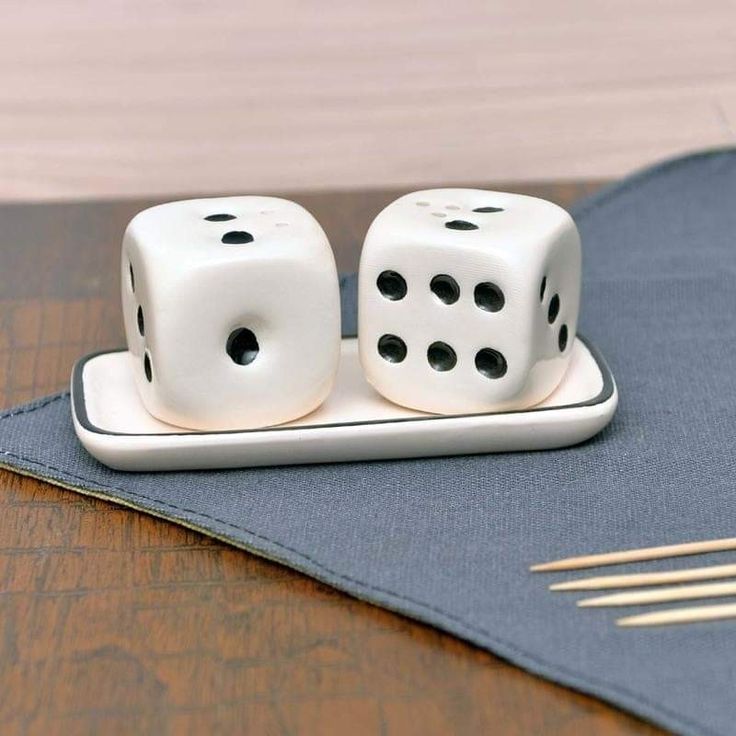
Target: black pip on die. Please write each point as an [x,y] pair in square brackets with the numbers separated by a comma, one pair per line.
[468,300]
[232,311]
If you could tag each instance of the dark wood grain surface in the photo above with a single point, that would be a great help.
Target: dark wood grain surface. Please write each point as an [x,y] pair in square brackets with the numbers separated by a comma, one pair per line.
[117,623]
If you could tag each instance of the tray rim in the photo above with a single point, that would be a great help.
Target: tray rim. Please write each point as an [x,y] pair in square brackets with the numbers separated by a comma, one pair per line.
[608,389]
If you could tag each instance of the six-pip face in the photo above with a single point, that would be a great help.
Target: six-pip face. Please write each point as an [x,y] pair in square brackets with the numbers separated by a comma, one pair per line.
[468,300]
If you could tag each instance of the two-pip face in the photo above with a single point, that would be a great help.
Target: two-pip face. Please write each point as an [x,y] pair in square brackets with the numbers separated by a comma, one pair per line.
[468,300]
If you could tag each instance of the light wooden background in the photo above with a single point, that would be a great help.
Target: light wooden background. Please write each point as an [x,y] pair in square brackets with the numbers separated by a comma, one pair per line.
[138,97]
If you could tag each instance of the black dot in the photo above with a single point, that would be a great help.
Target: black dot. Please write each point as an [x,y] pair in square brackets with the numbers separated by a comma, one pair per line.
[562,339]
[237,237]
[488,209]
[242,346]
[132,277]
[490,363]
[141,325]
[489,297]
[542,288]
[147,367]
[460,225]
[392,285]
[392,348]
[445,288]
[554,309]
[441,356]
[220,217]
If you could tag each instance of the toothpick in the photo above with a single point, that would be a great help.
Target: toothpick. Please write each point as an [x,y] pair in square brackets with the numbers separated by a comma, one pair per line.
[637,555]
[635,580]
[692,615]
[662,595]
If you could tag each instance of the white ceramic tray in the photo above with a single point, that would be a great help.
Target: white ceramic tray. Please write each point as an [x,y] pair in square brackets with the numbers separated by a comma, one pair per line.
[355,423]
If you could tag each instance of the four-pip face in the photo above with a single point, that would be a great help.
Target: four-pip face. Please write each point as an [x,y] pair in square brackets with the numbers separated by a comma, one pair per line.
[468,300]
[232,311]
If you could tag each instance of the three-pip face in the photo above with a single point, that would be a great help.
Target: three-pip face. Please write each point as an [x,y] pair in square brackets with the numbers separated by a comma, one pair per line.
[468,300]
[232,311]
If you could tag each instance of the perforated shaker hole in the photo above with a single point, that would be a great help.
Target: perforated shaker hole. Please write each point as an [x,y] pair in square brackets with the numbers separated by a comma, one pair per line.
[147,367]
[440,214]
[220,217]
[460,225]
[422,204]
[132,277]
[392,348]
[445,288]
[490,363]
[237,237]
[488,209]
[392,285]
[141,324]
[282,224]
[542,289]
[441,356]
[242,346]
[562,339]
[489,297]
[451,207]
[554,309]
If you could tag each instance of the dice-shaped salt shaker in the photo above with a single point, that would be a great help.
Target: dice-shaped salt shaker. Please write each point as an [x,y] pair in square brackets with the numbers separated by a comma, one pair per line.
[232,311]
[468,300]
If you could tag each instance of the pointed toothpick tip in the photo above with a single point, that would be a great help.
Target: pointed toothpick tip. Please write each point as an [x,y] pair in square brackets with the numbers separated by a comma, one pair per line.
[569,585]
[549,566]
[630,622]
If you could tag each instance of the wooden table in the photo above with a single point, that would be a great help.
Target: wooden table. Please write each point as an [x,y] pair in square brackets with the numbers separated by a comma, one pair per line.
[114,622]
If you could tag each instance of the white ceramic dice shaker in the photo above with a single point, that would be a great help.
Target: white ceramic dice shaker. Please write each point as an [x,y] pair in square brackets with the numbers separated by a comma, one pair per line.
[232,311]
[468,300]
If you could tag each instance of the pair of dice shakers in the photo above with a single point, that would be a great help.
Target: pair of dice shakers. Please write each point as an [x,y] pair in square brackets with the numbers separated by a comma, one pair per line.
[468,303]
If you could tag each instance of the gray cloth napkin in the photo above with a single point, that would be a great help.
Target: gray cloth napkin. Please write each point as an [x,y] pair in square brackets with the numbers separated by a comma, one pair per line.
[448,540]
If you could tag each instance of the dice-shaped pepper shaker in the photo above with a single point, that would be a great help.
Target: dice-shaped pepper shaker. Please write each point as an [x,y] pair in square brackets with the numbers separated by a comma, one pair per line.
[468,300]
[232,311]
